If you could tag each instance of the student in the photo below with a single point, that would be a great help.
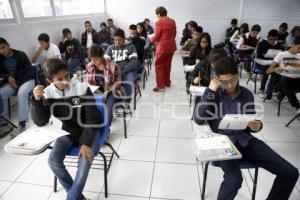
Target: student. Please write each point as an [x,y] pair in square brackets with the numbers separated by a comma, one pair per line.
[262,48]
[104,36]
[139,44]
[202,50]
[106,74]
[190,44]
[45,50]
[18,79]
[111,28]
[250,39]
[148,27]
[89,37]
[185,35]
[125,55]
[232,29]
[290,38]
[288,85]
[282,32]
[83,123]
[71,48]
[244,28]
[204,71]
[141,30]
[225,96]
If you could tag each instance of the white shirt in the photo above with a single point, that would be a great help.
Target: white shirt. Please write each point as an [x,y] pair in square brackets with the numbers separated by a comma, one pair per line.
[51,52]
[89,41]
[241,40]
[285,55]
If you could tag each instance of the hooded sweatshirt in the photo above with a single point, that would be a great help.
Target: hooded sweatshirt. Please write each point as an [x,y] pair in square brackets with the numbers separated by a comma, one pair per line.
[125,56]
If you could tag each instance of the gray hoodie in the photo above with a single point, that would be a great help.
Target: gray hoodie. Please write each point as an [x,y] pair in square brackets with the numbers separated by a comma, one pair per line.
[125,56]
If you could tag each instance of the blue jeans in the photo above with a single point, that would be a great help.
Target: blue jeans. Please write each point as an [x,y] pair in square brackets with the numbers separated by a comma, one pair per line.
[111,101]
[75,62]
[60,149]
[260,154]
[22,95]
[129,84]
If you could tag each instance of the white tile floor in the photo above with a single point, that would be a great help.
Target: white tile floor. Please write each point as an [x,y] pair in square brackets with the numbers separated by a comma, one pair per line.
[157,160]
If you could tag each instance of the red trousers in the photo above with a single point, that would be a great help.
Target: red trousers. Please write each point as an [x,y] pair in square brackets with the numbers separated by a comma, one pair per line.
[163,63]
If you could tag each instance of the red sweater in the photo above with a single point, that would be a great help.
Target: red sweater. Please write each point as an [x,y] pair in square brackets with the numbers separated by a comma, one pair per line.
[164,36]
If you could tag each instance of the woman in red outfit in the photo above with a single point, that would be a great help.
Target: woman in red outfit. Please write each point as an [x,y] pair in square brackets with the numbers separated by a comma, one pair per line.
[164,37]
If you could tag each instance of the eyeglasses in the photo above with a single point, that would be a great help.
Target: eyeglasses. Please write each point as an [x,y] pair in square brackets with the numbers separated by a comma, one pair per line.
[233,81]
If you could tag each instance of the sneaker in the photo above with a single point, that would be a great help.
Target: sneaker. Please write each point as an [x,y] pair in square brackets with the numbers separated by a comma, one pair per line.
[5,129]
[84,198]
[262,95]
[157,89]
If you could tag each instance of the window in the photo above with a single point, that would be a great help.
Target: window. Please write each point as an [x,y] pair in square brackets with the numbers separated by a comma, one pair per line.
[74,7]
[5,10]
[36,8]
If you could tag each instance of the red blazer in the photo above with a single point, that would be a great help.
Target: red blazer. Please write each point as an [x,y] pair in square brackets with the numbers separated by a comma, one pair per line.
[164,36]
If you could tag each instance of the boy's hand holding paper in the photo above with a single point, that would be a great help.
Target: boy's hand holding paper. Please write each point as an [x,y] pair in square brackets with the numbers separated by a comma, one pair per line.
[238,122]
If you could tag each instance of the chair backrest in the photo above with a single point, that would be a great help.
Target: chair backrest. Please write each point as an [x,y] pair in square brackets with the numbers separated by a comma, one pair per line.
[104,130]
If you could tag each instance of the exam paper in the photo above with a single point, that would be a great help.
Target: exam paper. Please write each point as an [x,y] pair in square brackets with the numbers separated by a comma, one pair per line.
[216,142]
[235,121]
[271,53]
[34,139]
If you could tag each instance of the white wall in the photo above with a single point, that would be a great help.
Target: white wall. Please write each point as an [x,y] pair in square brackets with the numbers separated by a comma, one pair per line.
[213,15]
[23,35]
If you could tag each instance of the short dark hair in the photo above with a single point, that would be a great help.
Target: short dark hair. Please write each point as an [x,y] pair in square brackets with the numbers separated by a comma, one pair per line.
[226,65]
[133,27]
[120,33]
[3,41]
[234,21]
[217,52]
[87,22]
[162,11]
[44,37]
[297,40]
[52,66]
[110,20]
[66,30]
[193,24]
[295,29]
[103,24]
[256,27]
[273,33]
[96,51]
[146,20]
[199,29]
[284,26]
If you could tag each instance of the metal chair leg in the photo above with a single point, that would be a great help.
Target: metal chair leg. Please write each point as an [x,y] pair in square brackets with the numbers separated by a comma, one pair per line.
[9,108]
[124,120]
[204,180]
[254,183]
[255,79]
[278,108]
[9,122]
[105,174]
[55,184]
[295,117]
[112,149]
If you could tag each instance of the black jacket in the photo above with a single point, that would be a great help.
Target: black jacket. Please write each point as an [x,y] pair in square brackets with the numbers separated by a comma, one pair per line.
[204,70]
[84,38]
[71,48]
[24,71]
[264,46]
[75,107]
[139,44]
